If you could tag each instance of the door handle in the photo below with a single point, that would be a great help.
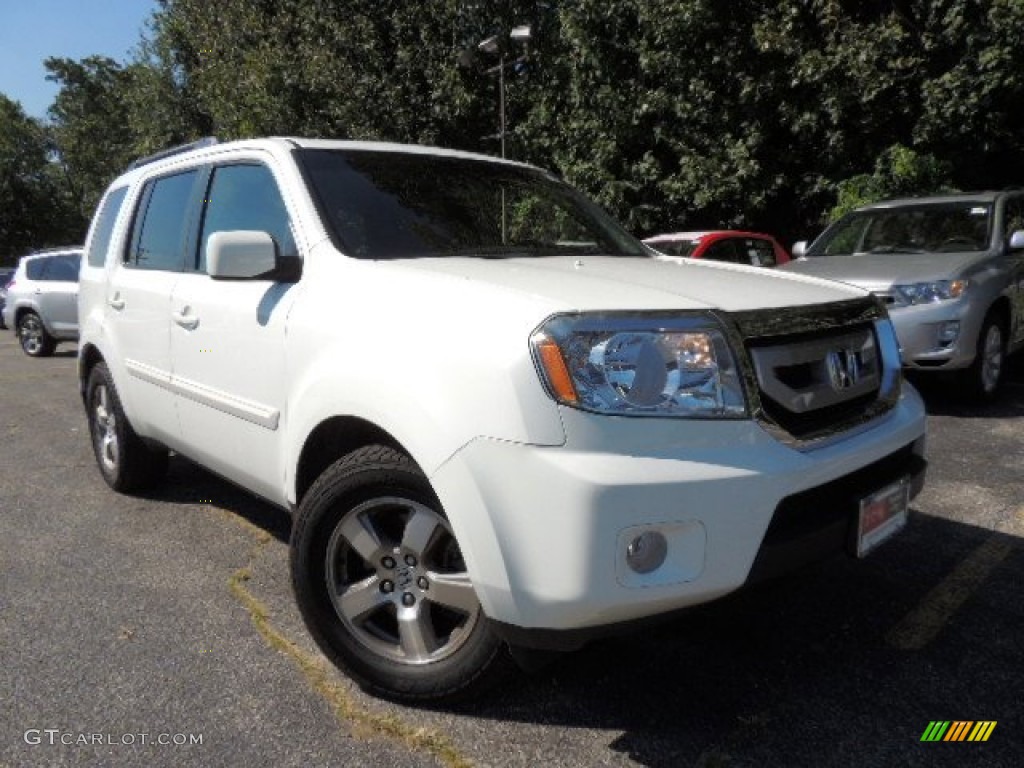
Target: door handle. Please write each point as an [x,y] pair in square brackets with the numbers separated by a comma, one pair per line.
[185,319]
[116,302]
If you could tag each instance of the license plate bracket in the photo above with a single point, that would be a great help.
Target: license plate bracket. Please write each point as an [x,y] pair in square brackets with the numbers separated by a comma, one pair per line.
[882,515]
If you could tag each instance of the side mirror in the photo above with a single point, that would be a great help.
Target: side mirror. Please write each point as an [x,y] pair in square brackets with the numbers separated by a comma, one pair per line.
[248,255]
[1017,240]
[799,249]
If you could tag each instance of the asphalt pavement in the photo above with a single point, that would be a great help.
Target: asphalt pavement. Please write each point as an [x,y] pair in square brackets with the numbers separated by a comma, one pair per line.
[161,630]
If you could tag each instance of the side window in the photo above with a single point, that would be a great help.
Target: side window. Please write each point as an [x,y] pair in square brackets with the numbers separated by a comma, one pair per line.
[759,252]
[35,269]
[677,247]
[723,250]
[63,269]
[159,234]
[245,197]
[105,227]
[1014,216]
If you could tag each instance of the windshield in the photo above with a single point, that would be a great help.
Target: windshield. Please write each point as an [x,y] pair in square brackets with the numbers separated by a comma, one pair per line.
[931,228]
[397,205]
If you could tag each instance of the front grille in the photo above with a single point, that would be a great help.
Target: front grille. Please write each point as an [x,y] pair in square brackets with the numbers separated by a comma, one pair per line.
[822,370]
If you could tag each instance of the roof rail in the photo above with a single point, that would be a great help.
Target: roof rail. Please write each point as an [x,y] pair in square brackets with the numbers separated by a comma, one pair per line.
[207,141]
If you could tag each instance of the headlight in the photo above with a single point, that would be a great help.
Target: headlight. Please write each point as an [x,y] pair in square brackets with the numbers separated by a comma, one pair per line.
[640,365]
[926,293]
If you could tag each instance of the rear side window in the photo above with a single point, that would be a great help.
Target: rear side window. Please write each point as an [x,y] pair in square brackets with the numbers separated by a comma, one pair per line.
[760,253]
[246,197]
[723,250]
[161,226]
[105,227]
[63,269]
[35,269]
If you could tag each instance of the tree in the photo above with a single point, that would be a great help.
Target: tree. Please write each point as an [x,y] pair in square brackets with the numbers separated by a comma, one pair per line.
[35,212]
[91,125]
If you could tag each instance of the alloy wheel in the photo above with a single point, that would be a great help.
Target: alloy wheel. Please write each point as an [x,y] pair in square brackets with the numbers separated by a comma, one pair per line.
[397,581]
[105,431]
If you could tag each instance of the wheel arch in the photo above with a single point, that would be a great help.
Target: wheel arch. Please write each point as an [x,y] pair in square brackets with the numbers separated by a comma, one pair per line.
[1002,310]
[332,439]
[89,356]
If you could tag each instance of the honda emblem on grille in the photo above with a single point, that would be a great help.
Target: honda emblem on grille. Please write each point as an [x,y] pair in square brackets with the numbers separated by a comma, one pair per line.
[843,368]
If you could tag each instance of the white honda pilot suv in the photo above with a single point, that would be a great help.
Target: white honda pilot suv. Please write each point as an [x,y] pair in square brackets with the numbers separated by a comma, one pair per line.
[501,423]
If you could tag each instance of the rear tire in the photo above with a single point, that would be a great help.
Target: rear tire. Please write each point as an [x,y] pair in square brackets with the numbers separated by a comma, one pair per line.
[32,335]
[382,586]
[125,461]
[985,375]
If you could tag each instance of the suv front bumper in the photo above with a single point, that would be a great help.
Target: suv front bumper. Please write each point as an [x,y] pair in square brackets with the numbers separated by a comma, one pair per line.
[919,327]
[544,530]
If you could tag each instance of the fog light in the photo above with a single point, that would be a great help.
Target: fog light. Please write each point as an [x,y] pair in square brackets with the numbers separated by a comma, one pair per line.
[948,332]
[646,552]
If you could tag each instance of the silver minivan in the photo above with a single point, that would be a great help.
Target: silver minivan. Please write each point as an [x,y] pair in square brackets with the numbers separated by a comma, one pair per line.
[950,270]
[42,300]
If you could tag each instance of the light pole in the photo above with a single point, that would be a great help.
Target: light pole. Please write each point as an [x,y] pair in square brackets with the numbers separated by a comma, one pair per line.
[494,45]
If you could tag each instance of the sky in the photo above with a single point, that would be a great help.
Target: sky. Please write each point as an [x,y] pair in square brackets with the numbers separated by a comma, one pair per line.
[33,30]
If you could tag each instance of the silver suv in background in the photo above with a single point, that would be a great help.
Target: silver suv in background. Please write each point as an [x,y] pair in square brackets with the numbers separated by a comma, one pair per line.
[42,300]
[950,270]
[6,273]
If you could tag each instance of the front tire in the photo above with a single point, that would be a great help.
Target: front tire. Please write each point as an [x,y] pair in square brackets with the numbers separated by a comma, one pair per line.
[985,374]
[125,461]
[382,585]
[32,335]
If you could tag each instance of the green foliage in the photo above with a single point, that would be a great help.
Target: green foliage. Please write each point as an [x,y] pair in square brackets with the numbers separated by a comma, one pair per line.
[34,210]
[671,113]
[899,172]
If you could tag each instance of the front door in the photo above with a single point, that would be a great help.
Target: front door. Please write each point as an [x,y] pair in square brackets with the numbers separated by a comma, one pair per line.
[228,340]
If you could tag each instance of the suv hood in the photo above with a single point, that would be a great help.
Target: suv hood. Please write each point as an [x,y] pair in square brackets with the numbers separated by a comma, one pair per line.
[622,283]
[876,271]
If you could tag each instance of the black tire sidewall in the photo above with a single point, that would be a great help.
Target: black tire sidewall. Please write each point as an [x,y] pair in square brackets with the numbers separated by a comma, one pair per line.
[976,372]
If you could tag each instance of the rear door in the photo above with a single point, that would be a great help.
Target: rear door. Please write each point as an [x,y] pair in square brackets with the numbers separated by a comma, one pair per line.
[228,338]
[138,301]
[57,293]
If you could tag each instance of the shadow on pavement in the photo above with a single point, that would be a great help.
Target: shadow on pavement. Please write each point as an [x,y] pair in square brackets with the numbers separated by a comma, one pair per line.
[943,395]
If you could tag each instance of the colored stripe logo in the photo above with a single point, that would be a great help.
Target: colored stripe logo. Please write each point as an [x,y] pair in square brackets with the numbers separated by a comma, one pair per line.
[958,730]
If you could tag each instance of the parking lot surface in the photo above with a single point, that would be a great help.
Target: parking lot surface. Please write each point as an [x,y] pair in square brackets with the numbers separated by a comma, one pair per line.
[161,630]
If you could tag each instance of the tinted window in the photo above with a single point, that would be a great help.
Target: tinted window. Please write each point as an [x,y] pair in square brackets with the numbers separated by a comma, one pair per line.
[1014,216]
[246,197]
[396,205]
[63,268]
[159,233]
[759,253]
[723,250]
[922,228]
[105,227]
[676,247]
[35,269]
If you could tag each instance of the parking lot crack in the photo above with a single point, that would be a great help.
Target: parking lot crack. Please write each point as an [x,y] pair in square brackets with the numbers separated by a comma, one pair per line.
[317,673]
